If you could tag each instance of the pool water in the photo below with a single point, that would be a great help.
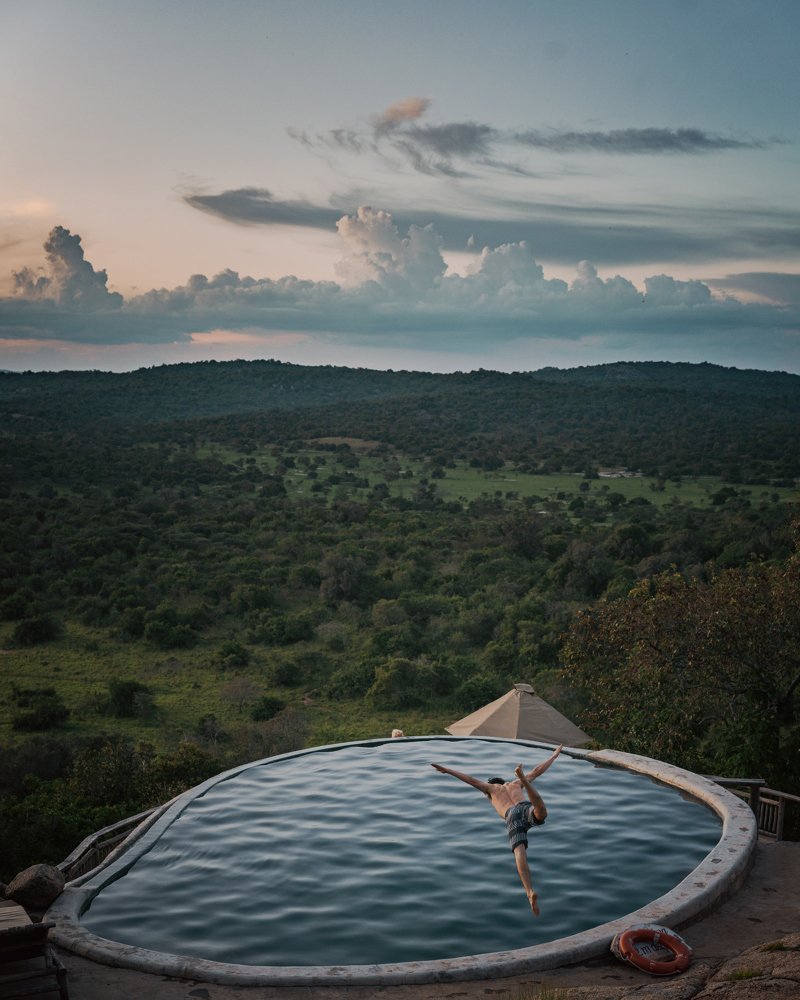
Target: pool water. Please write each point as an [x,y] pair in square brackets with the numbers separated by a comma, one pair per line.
[365,854]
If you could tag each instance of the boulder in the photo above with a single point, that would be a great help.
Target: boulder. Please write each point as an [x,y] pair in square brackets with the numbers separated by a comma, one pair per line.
[36,887]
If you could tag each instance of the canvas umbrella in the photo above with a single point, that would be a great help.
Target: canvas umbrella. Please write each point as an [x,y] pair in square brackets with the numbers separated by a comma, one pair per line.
[521,714]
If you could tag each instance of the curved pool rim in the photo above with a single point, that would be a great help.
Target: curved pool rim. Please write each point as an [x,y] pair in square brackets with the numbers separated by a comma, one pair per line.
[721,873]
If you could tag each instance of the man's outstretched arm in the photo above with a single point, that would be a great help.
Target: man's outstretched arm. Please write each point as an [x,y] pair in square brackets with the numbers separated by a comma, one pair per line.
[541,768]
[482,786]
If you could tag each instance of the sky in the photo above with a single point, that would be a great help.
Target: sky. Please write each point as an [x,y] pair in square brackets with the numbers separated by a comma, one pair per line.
[436,186]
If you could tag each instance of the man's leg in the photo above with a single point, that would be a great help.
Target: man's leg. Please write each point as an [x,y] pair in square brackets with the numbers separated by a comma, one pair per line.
[521,857]
[539,810]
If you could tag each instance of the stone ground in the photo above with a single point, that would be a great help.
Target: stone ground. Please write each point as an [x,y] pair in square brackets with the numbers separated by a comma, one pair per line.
[730,941]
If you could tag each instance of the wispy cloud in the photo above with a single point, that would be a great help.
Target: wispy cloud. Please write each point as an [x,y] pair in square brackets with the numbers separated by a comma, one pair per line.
[389,286]
[453,148]
[633,141]
[610,235]
[773,285]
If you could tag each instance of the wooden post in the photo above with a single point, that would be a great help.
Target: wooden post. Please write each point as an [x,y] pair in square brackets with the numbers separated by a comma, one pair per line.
[755,803]
[779,824]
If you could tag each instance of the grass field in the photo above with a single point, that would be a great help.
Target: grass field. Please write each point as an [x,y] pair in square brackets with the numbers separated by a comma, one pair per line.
[465,483]
[186,685]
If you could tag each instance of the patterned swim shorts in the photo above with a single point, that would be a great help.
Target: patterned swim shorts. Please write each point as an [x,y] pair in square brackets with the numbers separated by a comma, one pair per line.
[519,819]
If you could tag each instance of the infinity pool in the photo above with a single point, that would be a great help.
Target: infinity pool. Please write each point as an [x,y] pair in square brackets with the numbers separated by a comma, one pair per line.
[365,854]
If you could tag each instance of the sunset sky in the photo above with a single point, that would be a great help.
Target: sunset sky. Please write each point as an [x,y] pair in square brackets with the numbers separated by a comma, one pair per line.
[432,185]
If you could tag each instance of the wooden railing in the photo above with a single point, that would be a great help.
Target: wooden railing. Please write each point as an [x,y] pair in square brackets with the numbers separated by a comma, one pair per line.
[97,846]
[768,805]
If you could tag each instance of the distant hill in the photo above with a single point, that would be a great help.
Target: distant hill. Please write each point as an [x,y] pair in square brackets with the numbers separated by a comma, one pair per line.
[703,377]
[215,389]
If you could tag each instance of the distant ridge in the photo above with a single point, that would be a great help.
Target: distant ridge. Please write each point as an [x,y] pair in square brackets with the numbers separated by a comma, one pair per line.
[208,389]
[676,375]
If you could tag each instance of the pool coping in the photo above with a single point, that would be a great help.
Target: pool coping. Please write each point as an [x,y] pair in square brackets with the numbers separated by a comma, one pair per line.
[721,873]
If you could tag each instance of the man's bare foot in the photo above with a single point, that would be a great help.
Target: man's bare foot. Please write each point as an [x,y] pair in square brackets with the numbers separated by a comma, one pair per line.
[534,904]
[519,770]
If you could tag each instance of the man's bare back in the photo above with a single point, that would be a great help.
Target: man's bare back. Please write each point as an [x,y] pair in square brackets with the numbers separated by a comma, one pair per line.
[505,796]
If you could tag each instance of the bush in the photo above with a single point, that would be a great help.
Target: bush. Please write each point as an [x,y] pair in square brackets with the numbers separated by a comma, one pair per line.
[171,636]
[18,605]
[132,624]
[37,709]
[351,682]
[233,654]
[402,683]
[282,630]
[288,673]
[266,708]
[305,576]
[31,631]
[476,692]
[127,699]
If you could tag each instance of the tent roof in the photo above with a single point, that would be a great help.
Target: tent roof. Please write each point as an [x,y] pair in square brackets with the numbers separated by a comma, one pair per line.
[520,714]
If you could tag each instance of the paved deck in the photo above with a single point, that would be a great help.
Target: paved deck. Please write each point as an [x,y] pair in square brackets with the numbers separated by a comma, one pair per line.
[766,909]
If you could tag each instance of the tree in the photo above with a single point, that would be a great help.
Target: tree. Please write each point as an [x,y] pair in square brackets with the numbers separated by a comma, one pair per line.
[704,675]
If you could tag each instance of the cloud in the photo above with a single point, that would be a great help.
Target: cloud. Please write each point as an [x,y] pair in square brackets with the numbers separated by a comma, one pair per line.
[402,111]
[772,285]
[612,236]
[390,286]
[633,141]
[72,281]
[449,148]
[257,206]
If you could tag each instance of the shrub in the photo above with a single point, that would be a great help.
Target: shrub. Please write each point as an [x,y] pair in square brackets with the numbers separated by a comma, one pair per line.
[266,708]
[305,576]
[398,682]
[353,681]
[132,624]
[18,605]
[31,631]
[37,709]
[476,692]
[288,673]
[171,636]
[127,699]
[233,654]
[282,630]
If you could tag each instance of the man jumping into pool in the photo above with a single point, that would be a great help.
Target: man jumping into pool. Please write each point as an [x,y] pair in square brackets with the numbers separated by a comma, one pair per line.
[520,816]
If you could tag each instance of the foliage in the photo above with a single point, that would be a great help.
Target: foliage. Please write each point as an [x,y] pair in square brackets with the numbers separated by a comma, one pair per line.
[37,708]
[266,708]
[128,698]
[476,692]
[31,631]
[705,675]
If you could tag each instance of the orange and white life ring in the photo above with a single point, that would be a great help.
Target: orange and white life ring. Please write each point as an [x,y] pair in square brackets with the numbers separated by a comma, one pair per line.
[663,939]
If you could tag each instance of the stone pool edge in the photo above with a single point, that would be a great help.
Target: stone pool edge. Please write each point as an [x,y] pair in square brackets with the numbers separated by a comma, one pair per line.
[712,882]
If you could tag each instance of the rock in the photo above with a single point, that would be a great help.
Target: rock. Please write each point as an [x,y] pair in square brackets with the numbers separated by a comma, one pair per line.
[36,887]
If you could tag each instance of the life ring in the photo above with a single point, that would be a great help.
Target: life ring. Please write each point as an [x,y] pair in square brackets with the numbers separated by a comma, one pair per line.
[675,944]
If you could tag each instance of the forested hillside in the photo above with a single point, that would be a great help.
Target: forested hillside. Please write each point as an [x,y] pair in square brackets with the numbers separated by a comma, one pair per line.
[180,596]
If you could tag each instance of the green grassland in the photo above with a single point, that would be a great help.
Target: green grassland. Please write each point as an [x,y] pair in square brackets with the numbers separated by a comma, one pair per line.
[187,685]
[465,483]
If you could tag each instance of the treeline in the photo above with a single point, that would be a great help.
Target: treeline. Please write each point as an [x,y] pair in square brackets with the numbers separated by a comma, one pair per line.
[748,440]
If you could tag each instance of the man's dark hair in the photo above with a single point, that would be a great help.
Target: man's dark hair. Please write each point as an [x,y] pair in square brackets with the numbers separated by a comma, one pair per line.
[495,781]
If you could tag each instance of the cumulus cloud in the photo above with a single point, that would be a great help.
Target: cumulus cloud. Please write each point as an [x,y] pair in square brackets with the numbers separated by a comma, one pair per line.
[389,284]
[72,281]
[450,148]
